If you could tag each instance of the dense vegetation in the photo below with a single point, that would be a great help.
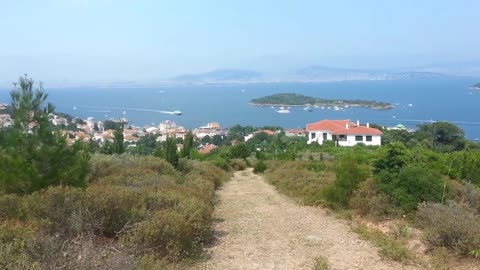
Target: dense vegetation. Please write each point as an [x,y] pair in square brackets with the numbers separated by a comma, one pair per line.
[434,185]
[290,99]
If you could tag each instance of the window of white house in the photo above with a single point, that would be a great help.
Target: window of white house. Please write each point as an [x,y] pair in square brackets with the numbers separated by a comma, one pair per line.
[359,138]
[368,138]
[342,138]
[313,135]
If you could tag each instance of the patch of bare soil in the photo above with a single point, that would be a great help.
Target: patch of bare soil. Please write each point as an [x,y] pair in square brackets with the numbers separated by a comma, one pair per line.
[258,228]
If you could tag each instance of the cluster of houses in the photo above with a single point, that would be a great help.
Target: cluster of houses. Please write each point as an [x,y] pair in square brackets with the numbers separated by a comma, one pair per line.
[341,132]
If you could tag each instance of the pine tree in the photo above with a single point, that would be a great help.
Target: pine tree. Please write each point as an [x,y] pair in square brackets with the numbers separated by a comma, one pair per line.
[118,147]
[171,151]
[187,145]
[34,155]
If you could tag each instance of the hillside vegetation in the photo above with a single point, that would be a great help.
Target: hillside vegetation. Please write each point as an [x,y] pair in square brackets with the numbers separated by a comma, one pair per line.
[132,209]
[290,99]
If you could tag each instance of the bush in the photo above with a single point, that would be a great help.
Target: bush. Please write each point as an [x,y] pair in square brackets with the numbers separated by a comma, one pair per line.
[260,167]
[367,200]
[349,174]
[237,165]
[294,179]
[61,210]
[411,186]
[10,206]
[14,239]
[465,192]
[114,207]
[221,163]
[167,233]
[453,226]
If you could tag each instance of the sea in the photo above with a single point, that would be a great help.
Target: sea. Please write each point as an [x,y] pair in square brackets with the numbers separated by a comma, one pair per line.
[416,102]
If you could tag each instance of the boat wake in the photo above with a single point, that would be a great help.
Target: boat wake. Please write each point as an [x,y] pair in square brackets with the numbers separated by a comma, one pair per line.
[131,109]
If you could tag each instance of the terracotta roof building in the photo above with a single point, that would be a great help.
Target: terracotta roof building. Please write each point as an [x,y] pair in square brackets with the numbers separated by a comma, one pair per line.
[343,133]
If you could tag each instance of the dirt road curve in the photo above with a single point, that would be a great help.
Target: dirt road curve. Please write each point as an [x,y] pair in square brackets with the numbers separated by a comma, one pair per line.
[258,228]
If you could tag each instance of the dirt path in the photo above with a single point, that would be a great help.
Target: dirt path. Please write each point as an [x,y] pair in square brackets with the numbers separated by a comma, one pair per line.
[257,228]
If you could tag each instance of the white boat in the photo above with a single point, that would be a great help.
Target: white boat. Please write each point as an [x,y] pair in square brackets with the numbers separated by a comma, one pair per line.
[177,112]
[272,107]
[74,108]
[410,105]
[336,108]
[283,111]
[323,108]
[308,108]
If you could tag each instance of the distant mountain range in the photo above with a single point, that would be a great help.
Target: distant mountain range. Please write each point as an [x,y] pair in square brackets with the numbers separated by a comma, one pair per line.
[308,74]
[222,75]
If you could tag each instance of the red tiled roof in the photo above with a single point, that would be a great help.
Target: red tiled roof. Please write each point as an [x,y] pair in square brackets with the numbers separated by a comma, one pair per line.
[266,131]
[339,127]
[207,148]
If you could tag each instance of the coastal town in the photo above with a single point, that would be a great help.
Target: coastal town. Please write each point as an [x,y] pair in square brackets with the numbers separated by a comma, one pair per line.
[342,132]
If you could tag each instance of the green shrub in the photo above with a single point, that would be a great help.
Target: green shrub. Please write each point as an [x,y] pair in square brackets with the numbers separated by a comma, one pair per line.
[349,174]
[167,233]
[126,165]
[260,167]
[221,163]
[14,240]
[10,206]
[367,200]
[61,210]
[411,186]
[466,193]
[453,226]
[114,207]
[293,179]
[237,165]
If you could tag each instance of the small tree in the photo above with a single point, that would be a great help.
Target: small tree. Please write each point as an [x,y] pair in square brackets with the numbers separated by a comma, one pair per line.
[171,151]
[118,147]
[240,150]
[187,145]
[392,158]
[33,154]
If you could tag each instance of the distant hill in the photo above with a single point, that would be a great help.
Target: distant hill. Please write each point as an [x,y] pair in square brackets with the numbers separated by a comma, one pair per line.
[330,73]
[476,86]
[322,73]
[307,74]
[415,75]
[221,75]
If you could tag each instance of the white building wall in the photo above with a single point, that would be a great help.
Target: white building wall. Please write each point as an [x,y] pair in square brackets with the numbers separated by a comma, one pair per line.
[318,136]
[376,139]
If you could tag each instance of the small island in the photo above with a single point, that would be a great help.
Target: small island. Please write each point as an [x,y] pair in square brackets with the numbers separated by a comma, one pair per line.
[476,86]
[291,99]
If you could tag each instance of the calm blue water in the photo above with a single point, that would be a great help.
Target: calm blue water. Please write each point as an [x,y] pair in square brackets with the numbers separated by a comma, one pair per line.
[449,100]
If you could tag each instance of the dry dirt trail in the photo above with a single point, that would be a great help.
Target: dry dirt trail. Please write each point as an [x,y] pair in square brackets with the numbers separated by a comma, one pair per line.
[258,228]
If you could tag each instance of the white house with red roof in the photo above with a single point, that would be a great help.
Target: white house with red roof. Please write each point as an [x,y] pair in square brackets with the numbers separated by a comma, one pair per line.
[343,133]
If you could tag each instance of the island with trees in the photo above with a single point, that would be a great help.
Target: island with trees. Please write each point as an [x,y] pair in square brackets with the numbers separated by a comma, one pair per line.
[291,99]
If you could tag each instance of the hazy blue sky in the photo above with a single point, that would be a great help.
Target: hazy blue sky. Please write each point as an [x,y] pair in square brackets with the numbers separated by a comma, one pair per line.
[92,40]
